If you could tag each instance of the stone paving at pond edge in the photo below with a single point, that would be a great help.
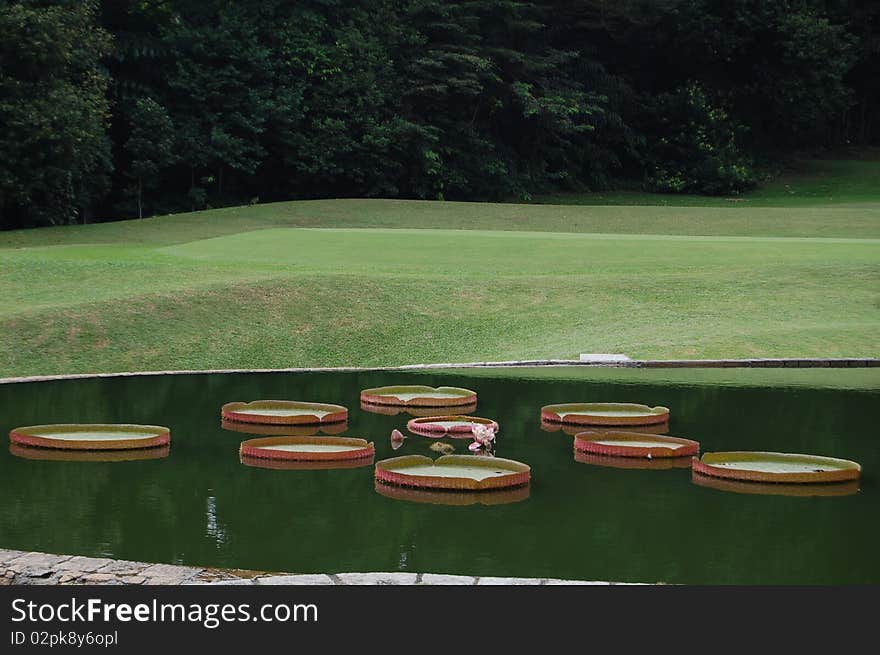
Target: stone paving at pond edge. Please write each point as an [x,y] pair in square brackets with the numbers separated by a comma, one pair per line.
[26,568]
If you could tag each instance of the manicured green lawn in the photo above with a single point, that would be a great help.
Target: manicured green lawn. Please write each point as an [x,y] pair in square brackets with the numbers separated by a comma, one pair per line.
[287,297]
[380,282]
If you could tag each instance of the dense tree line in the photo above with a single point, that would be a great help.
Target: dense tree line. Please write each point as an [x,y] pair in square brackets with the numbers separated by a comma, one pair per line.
[120,108]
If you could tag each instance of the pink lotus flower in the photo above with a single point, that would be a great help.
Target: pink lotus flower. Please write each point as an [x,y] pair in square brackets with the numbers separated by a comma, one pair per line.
[397,439]
[484,436]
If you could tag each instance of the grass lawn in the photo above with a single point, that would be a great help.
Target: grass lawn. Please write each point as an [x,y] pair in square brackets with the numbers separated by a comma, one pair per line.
[380,282]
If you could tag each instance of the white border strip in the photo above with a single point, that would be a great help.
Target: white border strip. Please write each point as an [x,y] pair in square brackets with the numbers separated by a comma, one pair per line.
[635,363]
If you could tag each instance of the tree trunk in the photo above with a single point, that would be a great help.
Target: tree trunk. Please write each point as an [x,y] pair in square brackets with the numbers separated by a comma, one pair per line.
[140,204]
[863,122]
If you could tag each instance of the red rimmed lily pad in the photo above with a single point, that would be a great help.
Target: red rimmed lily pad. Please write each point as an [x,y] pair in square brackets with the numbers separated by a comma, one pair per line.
[284,412]
[604,414]
[846,488]
[59,455]
[453,426]
[285,430]
[456,472]
[634,444]
[573,429]
[305,465]
[418,412]
[758,466]
[91,436]
[417,395]
[634,463]
[307,448]
[453,498]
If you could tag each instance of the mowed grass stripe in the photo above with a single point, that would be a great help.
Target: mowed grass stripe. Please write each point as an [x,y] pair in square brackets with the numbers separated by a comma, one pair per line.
[459,253]
[71,275]
[855,221]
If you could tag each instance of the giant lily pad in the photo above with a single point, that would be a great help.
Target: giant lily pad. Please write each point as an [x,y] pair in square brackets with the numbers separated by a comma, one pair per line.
[454,426]
[455,498]
[846,488]
[91,436]
[419,396]
[604,414]
[307,448]
[776,467]
[634,444]
[458,472]
[283,412]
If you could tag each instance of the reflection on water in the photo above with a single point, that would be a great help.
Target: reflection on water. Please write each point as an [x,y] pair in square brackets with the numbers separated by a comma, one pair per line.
[304,464]
[655,464]
[418,412]
[457,498]
[847,488]
[549,426]
[285,430]
[60,455]
[202,505]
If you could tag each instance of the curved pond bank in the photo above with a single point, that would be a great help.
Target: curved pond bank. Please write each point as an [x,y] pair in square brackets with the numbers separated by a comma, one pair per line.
[566,365]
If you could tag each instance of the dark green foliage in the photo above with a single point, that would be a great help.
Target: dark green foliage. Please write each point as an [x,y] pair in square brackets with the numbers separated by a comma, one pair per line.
[220,80]
[861,124]
[150,146]
[697,147]
[211,102]
[54,151]
[780,65]
[341,132]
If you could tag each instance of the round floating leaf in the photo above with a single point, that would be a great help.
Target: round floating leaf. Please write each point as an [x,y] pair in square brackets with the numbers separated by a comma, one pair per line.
[307,448]
[634,444]
[91,436]
[283,412]
[458,472]
[419,396]
[760,466]
[604,414]
[455,426]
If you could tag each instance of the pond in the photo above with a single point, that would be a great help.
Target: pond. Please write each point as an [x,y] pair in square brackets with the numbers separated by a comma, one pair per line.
[200,505]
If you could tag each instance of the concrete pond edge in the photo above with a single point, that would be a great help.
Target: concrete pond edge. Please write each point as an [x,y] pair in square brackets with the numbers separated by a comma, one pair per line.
[35,568]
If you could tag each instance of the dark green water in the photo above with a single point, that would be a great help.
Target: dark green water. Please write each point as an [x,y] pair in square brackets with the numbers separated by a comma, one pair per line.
[200,505]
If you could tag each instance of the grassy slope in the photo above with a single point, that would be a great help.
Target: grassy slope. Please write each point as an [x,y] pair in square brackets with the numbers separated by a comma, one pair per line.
[230,288]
